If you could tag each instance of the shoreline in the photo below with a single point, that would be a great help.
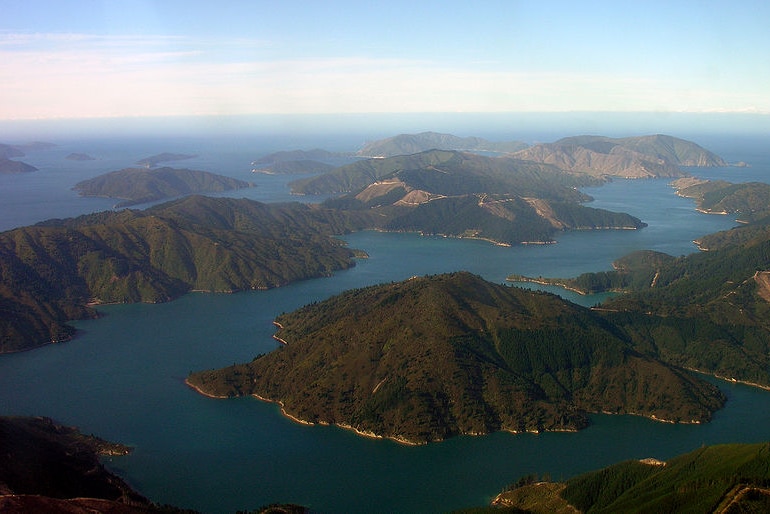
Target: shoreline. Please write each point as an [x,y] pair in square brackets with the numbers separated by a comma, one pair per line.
[202,392]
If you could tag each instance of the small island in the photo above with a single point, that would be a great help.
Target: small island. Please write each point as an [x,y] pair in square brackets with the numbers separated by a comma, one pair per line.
[79,157]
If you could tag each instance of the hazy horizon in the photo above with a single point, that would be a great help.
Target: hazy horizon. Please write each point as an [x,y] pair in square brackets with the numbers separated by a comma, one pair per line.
[528,127]
[148,58]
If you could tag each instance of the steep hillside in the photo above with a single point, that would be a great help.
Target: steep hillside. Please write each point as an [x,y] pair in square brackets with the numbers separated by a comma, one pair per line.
[707,311]
[433,357]
[51,271]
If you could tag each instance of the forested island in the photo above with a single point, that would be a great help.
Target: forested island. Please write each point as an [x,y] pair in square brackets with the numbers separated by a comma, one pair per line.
[142,185]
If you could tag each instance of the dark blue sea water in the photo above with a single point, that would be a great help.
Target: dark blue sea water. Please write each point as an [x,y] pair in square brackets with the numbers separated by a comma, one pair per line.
[122,377]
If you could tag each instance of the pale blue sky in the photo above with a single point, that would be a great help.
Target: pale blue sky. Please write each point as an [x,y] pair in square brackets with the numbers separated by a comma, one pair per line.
[109,58]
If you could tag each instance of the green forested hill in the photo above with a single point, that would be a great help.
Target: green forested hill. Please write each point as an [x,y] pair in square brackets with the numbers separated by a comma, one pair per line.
[708,311]
[50,272]
[464,195]
[730,479]
[141,185]
[432,357]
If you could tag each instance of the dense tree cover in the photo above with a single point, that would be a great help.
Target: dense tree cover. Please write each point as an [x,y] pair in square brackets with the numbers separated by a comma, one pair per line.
[708,311]
[724,478]
[50,272]
[141,185]
[432,357]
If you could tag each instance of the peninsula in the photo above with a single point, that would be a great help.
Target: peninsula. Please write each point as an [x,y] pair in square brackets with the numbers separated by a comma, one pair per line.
[56,271]
[433,357]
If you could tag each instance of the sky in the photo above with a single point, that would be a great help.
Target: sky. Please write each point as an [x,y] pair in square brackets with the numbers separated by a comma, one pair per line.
[62,59]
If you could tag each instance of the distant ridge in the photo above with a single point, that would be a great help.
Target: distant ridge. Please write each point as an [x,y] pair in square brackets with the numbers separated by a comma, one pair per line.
[632,157]
[154,160]
[413,143]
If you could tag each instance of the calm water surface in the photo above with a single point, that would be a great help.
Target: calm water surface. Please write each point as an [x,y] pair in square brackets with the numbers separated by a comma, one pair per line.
[122,379]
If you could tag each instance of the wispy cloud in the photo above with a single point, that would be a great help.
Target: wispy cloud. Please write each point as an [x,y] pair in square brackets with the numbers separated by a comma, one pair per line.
[78,75]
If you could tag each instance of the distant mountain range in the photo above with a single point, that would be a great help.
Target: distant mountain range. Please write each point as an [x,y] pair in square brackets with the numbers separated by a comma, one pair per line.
[142,185]
[432,357]
[405,144]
